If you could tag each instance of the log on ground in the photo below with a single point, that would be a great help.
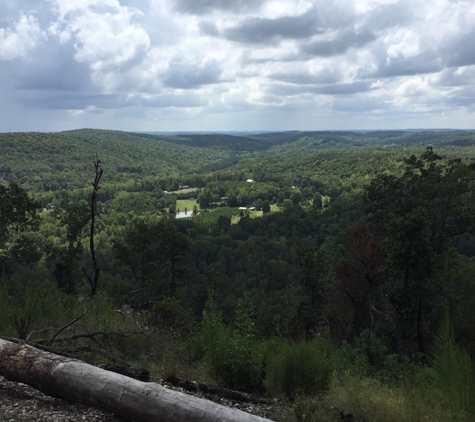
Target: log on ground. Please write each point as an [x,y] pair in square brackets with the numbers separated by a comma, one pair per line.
[78,382]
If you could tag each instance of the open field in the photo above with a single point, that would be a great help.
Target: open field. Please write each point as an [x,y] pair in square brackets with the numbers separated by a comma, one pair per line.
[181,204]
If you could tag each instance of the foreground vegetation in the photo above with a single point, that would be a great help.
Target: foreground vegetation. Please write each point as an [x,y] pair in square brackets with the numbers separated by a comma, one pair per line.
[342,286]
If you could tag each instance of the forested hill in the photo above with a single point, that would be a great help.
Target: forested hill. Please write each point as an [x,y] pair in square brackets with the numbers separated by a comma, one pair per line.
[49,162]
[320,139]
[52,161]
[251,258]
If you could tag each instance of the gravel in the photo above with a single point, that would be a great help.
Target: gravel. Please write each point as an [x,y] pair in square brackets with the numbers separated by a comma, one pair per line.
[20,402]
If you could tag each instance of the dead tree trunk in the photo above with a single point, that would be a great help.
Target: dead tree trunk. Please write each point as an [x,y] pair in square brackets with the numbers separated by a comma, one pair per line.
[95,187]
[132,400]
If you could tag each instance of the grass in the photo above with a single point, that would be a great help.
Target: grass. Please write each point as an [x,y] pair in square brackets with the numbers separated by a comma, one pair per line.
[213,215]
[370,400]
[256,214]
[235,219]
[181,204]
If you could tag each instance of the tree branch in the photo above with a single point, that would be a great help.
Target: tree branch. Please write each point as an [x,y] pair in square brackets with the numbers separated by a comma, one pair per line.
[66,326]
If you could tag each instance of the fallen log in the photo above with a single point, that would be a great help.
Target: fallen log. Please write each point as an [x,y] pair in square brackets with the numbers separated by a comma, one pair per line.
[132,400]
[218,391]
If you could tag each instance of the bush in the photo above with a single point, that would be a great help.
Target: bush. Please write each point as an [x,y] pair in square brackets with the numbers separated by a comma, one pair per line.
[298,368]
[233,355]
[371,400]
[452,372]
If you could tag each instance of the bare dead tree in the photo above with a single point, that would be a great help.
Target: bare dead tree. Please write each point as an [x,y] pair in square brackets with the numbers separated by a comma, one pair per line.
[95,187]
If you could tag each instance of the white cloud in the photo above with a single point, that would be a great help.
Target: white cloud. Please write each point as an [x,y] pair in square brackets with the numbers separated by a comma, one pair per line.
[104,33]
[16,42]
[207,59]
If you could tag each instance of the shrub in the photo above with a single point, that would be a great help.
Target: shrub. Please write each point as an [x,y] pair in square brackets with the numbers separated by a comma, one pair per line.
[233,355]
[304,367]
[452,371]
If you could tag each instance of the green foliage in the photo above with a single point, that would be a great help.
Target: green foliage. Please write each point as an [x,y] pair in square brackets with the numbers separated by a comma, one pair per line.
[215,214]
[314,409]
[234,357]
[299,368]
[168,314]
[453,371]
[17,211]
[65,258]
[414,216]
[153,252]
[265,206]
[369,399]
[307,270]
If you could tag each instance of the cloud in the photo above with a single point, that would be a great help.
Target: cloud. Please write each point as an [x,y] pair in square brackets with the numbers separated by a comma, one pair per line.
[339,89]
[104,34]
[63,100]
[460,50]
[173,100]
[426,62]
[187,74]
[261,30]
[206,60]
[58,71]
[321,76]
[202,7]
[339,43]
[25,36]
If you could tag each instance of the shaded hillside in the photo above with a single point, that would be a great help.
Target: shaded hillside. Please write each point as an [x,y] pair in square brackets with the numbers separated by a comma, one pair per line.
[225,142]
[53,161]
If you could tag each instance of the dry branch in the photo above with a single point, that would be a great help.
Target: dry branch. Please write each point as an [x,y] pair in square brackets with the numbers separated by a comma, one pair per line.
[65,326]
[95,187]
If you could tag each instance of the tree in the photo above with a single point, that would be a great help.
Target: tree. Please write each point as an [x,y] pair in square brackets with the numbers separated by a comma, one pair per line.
[65,259]
[93,211]
[18,214]
[153,252]
[359,276]
[317,201]
[296,197]
[17,211]
[314,266]
[265,207]
[414,216]
[205,197]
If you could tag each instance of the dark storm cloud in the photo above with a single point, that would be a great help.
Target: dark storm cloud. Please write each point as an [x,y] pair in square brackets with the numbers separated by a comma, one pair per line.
[343,41]
[186,74]
[260,30]
[202,7]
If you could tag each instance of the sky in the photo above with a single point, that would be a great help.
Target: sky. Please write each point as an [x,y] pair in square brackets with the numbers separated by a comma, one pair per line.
[236,65]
